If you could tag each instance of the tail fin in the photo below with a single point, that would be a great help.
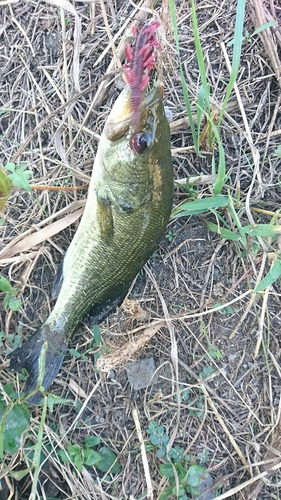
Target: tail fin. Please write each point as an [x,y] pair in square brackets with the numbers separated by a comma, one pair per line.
[27,356]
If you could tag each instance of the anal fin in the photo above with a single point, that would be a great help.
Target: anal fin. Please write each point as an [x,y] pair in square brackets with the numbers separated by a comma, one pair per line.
[101,311]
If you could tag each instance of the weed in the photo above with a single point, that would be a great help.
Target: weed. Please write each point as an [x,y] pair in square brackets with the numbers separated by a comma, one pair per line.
[158,438]
[213,352]
[10,301]
[184,394]
[15,419]
[199,206]
[14,425]
[184,477]
[19,175]
[191,189]
[273,275]
[249,36]
[67,20]
[224,310]
[207,372]
[104,459]
[170,236]
[96,341]
[246,236]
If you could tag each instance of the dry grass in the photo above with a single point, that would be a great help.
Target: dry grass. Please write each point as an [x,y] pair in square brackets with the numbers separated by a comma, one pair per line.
[59,75]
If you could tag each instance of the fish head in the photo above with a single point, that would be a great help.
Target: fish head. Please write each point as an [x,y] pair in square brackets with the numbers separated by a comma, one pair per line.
[151,138]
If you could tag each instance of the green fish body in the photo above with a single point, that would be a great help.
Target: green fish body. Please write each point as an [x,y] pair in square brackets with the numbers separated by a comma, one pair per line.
[128,206]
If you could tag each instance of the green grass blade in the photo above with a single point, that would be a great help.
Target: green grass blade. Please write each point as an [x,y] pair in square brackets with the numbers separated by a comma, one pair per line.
[238,39]
[263,230]
[225,233]
[200,56]
[199,206]
[237,221]
[272,275]
[37,452]
[221,167]
[183,82]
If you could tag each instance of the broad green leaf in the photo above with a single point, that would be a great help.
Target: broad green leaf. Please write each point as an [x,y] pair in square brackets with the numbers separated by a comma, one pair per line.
[161,452]
[5,286]
[176,453]
[15,304]
[199,206]
[214,353]
[13,424]
[167,470]
[179,491]
[10,166]
[207,372]
[18,475]
[9,388]
[21,179]
[78,461]
[91,441]
[108,459]
[91,457]
[6,301]
[272,275]
[167,493]
[196,474]
[73,449]
[64,456]
[225,310]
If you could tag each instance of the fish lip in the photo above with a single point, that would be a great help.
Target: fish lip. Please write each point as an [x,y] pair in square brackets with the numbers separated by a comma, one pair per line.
[120,119]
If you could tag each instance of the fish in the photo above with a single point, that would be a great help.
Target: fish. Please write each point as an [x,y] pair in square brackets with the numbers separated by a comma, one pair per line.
[128,207]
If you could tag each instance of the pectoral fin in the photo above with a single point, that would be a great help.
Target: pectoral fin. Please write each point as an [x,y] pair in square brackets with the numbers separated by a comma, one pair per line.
[104,217]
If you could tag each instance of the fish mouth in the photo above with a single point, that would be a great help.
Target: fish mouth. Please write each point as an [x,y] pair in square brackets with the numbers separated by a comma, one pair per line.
[120,119]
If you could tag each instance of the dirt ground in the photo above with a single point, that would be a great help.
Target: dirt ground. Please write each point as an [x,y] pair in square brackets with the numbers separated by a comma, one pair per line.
[232,414]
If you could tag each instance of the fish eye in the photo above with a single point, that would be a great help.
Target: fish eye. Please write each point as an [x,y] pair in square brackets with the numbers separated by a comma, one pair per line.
[140,142]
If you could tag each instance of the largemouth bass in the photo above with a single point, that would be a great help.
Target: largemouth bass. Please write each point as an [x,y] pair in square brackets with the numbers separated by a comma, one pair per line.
[128,206]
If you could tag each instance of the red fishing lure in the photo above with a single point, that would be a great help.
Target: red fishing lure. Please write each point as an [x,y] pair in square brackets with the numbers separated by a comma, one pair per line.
[141,60]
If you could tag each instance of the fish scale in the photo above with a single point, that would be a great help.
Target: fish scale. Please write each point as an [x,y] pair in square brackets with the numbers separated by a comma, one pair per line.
[128,206]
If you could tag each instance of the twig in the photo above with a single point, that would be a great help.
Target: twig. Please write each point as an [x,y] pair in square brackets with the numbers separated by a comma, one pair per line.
[143,454]
[42,187]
